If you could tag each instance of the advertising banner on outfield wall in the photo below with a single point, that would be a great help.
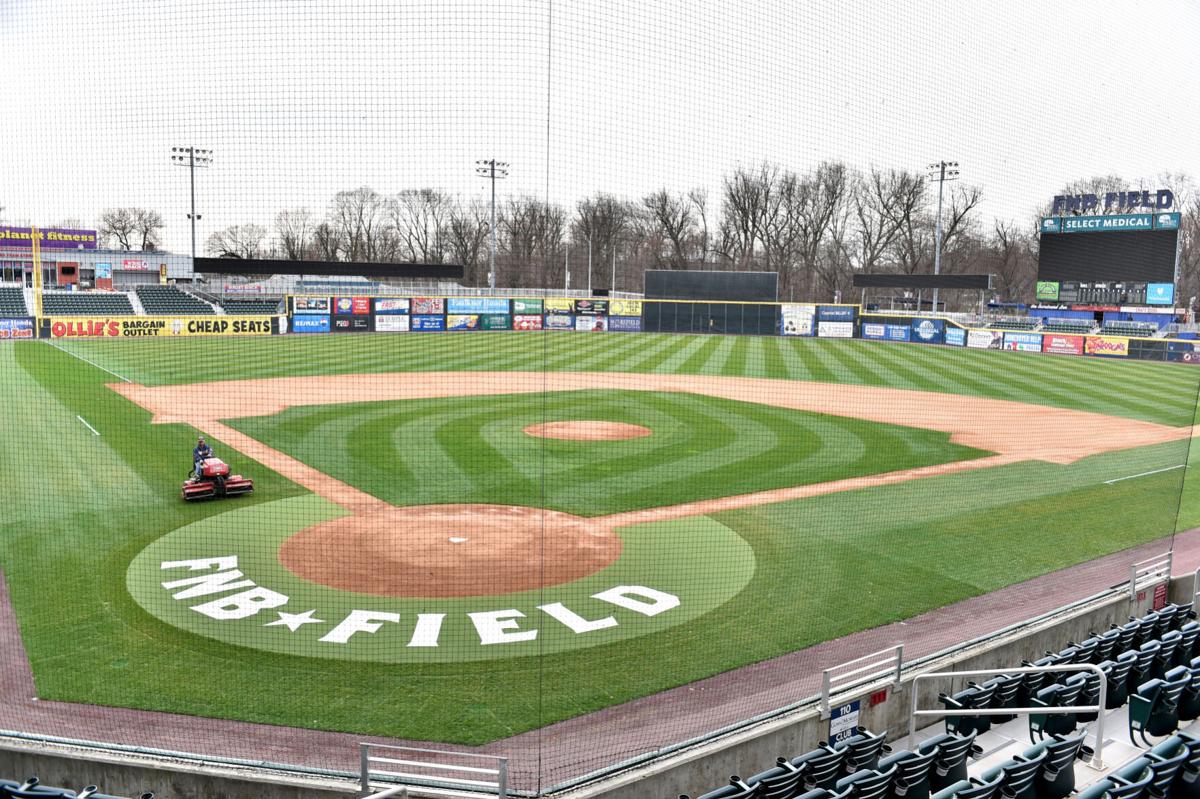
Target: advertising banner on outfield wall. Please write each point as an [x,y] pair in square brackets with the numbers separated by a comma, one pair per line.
[555,305]
[985,339]
[18,327]
[827,329]
[428,305]
[310,323]
[1023,342]
[1062,345]
[796,320]
[427,322]
[351,324]
[154,326]
[310,305]
[476,305]
[495,321]
[357,306]
[392,323]
[835,313]
[955,336]
[526,307]
[527,322]
[625,308]
[928,331]
[391,305]
[881,331]
[559,321]
[874,330]
[588,323]
[461,321]
[625,324]
[1106,346]
[591,307]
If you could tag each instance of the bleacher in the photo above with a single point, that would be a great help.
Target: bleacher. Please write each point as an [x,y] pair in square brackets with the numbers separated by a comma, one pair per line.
[250,306]
[12,302]
[1135,329]
[170,301]
[90,303]
[1078,326]
[1151,686]
[32,788]
[1015,323]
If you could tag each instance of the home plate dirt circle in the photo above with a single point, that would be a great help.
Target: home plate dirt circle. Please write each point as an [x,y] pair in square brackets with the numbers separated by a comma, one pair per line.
[450,550]
[587,430]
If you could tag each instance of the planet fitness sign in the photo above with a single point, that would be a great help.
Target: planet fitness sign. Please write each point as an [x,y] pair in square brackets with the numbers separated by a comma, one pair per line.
[21,238]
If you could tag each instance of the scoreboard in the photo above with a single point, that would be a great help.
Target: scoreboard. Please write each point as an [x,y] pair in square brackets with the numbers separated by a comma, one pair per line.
[1132,248]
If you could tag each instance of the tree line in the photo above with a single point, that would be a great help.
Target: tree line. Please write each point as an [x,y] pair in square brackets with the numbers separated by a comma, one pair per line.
[816,229]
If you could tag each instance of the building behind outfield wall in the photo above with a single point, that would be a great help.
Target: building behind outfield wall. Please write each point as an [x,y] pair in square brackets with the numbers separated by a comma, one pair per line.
[69,263]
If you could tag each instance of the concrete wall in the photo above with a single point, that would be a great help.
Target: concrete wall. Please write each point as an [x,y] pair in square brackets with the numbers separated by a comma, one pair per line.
[693,771]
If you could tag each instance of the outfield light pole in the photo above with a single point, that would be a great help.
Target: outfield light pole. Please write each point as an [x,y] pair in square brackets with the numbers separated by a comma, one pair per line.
[941,172]
[493,170]
[192,157]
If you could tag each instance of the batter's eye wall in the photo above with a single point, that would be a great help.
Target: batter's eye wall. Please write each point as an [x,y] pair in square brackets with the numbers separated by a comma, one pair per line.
[717,317]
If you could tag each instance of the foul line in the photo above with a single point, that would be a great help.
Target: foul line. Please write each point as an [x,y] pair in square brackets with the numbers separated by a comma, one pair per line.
[1145,474]
[89,363]
[95,432]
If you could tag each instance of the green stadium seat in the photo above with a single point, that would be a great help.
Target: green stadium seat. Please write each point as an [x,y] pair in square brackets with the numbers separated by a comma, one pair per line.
[1154,707]
[780,782]
[912,773]
[863,749]
[950,764]
[1017,775]
[1056,777]
[822,767]
[868,784]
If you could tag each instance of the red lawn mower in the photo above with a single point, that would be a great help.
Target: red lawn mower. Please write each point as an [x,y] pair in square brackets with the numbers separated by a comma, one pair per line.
[216,481]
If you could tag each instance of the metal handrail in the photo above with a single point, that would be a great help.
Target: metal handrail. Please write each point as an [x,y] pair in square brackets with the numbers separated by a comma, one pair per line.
[1148,572]
[500,785]
[894,661]
[1097,761]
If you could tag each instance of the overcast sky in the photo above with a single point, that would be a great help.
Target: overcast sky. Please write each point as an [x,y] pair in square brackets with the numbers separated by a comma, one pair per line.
[299,100]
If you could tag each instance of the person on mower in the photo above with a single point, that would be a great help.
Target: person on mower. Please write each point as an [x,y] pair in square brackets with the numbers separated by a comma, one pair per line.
[202,451]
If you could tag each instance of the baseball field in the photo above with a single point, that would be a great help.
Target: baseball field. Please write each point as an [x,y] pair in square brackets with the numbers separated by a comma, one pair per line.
[462,537]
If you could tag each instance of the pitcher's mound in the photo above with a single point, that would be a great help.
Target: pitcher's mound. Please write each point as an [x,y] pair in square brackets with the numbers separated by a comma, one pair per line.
[449,550]
[587,431]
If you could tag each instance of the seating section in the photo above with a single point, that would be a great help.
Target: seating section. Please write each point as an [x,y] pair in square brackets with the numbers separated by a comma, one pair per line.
[1078,326]
[254,306]
[1014,323]
[90,303]
[1150,663]
[170,301]
[33,788]
[12,302]
[1134,329]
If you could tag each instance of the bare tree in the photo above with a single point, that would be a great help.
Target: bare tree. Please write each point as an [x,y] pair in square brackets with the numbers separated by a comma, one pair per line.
[361,219]
[601,224]
[699,201]
[294,229]
[1010,257]
[148,224]
[530,235]
[673,224]
[745,211]
[238,241]
[466,240]
[327,242]
[118,226]
[419,217]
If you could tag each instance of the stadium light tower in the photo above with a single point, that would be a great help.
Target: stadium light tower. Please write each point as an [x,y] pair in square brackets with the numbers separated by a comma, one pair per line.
[192,157]
[941,172]
[493,170]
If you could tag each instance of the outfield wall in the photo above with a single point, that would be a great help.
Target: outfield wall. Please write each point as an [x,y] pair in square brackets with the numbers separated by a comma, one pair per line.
[311,315]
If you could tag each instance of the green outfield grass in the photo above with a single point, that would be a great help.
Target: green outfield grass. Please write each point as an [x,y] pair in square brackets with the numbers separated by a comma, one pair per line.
[80,507]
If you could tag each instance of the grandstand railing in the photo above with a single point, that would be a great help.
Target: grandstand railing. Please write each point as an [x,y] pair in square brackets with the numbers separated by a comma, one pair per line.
[431,771]
[1149,572]
[1097,761]
[874,667]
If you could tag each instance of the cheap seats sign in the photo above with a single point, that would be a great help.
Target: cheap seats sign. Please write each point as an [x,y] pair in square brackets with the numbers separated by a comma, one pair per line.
[154,326]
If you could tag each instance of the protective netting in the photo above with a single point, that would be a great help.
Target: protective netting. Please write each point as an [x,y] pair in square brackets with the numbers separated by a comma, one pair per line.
[607,492]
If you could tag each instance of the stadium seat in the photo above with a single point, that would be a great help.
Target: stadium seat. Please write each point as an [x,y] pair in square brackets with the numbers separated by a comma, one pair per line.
[1147,666]
[868,784]
[780,782]
[1118,672]
[912,773]
[822,767]
[170,301]
[1006,688]
[91,303]
[863,749]
[736,789]
[12,302]
[973,697]
[1154,707]
[1055,695]
[950,765]
[973,789]
[1189,632]
[1106,645]
[821,793]
[1166,761]
[1017,775]
[1056,778]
